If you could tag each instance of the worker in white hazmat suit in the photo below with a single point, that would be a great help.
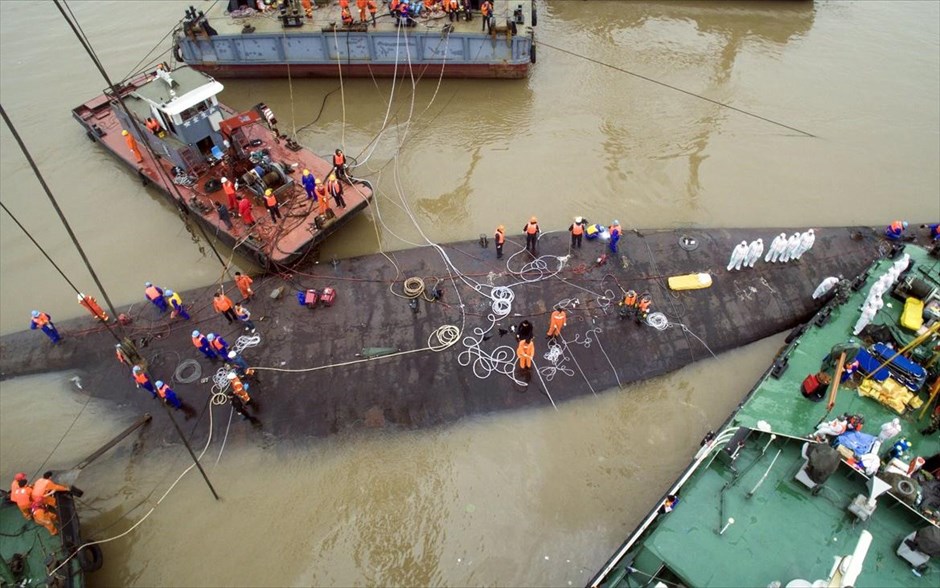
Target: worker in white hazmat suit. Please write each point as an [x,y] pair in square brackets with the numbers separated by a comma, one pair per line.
[823,288]
[777,247]
[754,251]
[793,243]
[737,256]
[807,240]
[868,313]
[890,430]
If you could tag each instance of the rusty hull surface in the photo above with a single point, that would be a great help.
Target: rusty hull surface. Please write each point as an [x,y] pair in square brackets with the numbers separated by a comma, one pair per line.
[431,388]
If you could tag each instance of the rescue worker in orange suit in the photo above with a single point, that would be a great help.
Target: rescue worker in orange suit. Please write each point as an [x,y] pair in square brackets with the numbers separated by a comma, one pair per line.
[223,305]
[229,188]
[323,200]
[155,295]
[643,309]
[43,321]
[244,211]
[361,5]
[270,202]
[486,8]
[239,388]
[500,239]
[577,231]
[43,516]
[525,351]
[628,305]
[339,164]
[531,230]
[244,285]
[168,395]
[44,489]
[142,380]
[335,189]
[559,319]
[132,145]
[153,126]
[202,344]
[218,344]
[453,8]
[373,8]
[347,17]
[308,8]
[21,494]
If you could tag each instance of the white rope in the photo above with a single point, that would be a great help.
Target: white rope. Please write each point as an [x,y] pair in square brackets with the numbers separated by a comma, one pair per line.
[658,321]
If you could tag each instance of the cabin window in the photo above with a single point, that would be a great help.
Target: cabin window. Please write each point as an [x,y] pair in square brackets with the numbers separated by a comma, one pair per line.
[194,110]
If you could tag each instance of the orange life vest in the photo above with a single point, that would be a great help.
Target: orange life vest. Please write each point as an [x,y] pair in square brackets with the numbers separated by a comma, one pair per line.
[629,299]
[42,320]
[372,6]
[198,341]
[644,304]
[229,188]
[454,5]
[344,3]
[532,228]
[22,496]
[270,201]
[577,229]
[238,389]
[216,344]
[141,378]
[347,17]
[339,159]
[152,293]
[161,391]
[559,319]
[897,226]
[485,8]
[500,237]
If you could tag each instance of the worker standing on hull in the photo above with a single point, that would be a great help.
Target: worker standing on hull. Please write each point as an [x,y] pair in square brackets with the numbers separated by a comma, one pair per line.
[43,321]
[229,188]
[615,232]
[309,182]
[239,388]
[500,239]
[155,295]
[244,211]
[339,165]
[218,344]
[559,319]
[895,231]
[21,495]
[44,489]
[43,516]
[223,305]
[525,351]
[132,145]
[176,303]
[531,230]
[244,283]
[373,8]
[270,202]
[577,232]
[142,381]
[335,190]
[202,344]
[168,395]
[244,316]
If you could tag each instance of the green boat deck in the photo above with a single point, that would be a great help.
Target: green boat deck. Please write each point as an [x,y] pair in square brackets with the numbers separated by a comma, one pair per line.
[782,531]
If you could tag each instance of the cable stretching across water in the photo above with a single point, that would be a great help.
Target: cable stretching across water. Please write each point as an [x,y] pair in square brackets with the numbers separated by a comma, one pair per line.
[677,89]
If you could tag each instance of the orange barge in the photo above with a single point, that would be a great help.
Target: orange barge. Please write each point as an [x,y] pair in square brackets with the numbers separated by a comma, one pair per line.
[170,128]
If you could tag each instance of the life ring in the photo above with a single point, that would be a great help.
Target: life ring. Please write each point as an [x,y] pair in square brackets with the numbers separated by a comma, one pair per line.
[532,54]
[90,558]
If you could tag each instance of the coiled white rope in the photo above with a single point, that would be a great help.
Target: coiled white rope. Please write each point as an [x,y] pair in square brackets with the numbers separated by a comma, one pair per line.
[658,321]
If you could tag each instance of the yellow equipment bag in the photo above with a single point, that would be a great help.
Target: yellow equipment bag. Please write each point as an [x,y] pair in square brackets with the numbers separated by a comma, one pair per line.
[690,282]
[913,316]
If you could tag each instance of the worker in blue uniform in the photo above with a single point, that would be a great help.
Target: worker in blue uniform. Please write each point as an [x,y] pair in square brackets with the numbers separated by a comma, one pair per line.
[310,183]
[201,343]
[43,321]
[895,230]
[238,363]
[168,395]
[934,230]
[615,232]
[155,295]
[218,344]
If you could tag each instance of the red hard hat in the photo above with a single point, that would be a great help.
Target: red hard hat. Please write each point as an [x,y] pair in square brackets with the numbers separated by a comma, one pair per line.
[20,476]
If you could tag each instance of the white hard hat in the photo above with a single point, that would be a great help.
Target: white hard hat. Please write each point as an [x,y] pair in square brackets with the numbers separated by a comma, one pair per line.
[35,313]
[231,355]
[210,337]
[148,284]
[159,383]
[136,369]
[195,333]
[168,292]
[231,376]
[224,180]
